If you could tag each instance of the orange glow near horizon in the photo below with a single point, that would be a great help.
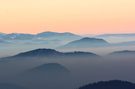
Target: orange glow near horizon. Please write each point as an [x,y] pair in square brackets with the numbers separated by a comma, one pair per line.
[77,16]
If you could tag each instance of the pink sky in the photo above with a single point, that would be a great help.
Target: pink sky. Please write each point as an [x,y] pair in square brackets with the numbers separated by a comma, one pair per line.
[77,16]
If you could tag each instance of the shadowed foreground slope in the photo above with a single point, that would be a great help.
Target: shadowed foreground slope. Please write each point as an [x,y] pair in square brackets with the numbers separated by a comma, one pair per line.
[114,84]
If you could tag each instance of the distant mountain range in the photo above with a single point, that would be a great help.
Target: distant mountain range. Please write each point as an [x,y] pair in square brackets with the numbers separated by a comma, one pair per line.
[86,43]
[117,35]
[61,41]
[114,84]
[51,34]
[66,39]
[56,35]
[45,35]
[44,39]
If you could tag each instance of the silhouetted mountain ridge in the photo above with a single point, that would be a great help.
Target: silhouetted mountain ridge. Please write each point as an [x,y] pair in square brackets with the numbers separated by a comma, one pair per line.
[51,53]
[39,53]
[113,84]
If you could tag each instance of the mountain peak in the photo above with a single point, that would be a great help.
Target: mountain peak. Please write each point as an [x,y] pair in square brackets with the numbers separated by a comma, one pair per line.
[86,42]
[51,53]
[92,39]
[49,33]
[39,53]
[51,67]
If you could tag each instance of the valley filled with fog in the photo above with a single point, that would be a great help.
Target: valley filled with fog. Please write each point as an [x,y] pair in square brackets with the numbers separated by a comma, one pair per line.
[64,60]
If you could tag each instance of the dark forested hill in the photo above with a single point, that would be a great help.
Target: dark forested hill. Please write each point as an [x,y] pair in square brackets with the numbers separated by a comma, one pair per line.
[114,84]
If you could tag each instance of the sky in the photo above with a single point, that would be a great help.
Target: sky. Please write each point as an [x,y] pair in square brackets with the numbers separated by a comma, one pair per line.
[76,16]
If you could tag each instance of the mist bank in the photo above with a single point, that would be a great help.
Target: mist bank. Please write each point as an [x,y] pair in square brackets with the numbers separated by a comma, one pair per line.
[38,72]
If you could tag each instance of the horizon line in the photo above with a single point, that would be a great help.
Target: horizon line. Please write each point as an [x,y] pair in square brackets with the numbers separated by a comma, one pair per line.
[63,32]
